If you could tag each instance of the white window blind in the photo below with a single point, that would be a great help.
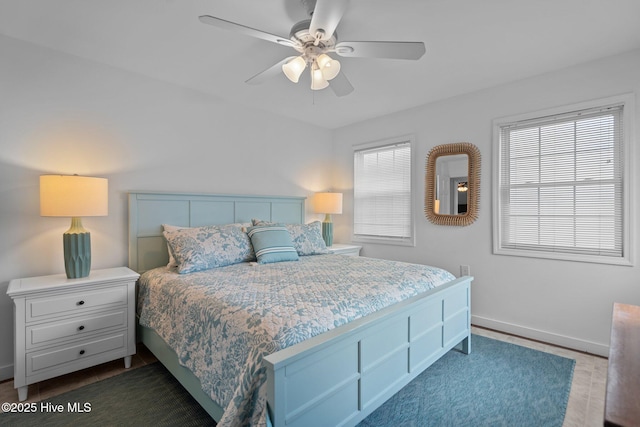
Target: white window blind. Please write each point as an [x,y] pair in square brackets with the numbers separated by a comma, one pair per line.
[561,183]
[382,192]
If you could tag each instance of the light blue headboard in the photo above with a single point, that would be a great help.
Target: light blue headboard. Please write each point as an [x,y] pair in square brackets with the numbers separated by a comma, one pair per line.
[148,211]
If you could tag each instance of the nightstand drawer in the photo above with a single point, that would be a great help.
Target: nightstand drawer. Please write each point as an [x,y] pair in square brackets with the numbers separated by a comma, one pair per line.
[54,357]
[76,327]
[74,302]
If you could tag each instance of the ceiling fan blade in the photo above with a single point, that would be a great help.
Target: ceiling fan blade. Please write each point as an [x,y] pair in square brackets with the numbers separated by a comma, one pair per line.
[326,17]
[341,85]
[390,50]
[269,73]
[247,31]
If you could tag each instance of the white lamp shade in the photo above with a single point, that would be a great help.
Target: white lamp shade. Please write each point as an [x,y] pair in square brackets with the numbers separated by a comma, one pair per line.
[317,80]
[73,196]
[294,68]
[328,203]
[328,66]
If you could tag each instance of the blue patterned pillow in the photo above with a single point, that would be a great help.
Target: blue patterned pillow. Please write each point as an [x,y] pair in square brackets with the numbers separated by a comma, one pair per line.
[167,227]
[307,238]
[272,244]
[173,263]
[202,248]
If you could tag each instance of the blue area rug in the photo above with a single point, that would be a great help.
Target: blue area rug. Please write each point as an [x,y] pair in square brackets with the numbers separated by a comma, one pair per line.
[145,396]
[498,384]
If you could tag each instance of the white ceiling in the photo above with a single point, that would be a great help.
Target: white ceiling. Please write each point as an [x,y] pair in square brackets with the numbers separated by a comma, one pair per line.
[471,45]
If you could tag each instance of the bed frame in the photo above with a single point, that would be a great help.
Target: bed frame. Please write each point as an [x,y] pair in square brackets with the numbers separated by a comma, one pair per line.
[338,377]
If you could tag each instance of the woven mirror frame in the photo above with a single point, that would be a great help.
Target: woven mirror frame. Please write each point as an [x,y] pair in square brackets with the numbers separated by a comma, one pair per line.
[473,192]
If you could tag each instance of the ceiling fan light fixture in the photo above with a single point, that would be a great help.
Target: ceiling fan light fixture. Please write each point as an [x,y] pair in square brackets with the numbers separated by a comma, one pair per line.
[328,66]
[312,39]
[294,68]
[317,79]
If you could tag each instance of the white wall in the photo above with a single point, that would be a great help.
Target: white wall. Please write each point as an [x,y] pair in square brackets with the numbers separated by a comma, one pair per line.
[62,114]
[567,303]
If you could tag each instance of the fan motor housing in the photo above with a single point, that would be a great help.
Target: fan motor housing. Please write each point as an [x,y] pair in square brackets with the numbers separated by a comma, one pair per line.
[300,33]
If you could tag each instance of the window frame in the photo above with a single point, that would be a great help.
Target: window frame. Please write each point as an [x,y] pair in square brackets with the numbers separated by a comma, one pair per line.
[628,119]
[400,241]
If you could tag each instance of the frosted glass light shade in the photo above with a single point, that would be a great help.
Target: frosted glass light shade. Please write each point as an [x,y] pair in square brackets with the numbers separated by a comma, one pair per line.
[317,80]
[328,203]
[328,66]
[294,68]
[73,196]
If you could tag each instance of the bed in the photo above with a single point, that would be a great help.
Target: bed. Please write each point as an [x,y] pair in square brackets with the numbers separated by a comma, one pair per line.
[336,377]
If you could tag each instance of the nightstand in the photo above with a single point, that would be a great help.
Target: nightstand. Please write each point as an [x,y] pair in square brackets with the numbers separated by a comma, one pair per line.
[349,250]
[63,325]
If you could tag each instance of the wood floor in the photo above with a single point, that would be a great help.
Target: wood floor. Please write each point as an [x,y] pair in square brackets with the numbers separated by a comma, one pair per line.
[585,408]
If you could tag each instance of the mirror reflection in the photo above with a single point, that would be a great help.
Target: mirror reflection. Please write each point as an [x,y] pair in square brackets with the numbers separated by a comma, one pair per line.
[452,184]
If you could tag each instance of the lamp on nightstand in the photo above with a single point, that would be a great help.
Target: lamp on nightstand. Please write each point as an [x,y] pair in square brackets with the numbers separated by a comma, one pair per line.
[327,203]
[74,196]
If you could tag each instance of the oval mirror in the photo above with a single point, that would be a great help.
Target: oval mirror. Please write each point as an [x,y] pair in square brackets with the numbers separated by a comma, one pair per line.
[452,185]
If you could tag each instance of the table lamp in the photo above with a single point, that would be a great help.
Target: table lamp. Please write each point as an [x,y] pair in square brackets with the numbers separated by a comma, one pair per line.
[74,196]
[328,203]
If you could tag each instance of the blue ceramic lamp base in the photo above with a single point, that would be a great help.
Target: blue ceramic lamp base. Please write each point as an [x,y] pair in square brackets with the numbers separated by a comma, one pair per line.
[327,230]
[77,250]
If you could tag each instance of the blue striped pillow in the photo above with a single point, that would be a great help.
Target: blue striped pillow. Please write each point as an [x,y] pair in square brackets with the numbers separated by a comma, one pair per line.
[272,244]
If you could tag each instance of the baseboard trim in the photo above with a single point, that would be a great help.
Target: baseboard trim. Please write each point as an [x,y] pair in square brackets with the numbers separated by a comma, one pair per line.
[548,337]
[6,372]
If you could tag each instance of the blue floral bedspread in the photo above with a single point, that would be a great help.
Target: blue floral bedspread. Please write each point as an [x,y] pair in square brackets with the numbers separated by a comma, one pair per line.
[221,322]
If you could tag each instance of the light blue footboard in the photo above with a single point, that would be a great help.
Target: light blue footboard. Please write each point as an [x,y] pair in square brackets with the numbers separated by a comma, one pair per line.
[340,377]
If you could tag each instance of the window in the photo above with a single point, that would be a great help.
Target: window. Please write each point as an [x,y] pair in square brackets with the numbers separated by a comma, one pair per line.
[382,197]
[562,185]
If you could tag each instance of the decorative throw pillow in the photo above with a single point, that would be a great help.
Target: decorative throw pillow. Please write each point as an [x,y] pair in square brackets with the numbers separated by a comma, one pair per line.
[272,244]
[202,248]
[307,238]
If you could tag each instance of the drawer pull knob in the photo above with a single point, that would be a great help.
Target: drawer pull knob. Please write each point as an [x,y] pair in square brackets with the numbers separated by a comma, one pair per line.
[81,351]
[80,302]
[81,327]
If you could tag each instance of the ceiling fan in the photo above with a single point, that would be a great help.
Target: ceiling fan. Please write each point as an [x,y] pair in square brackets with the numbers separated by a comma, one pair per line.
[314,39]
